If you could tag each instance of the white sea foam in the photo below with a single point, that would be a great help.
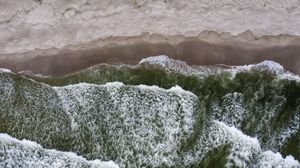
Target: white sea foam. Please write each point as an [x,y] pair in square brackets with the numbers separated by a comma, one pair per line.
[273,66]
[244,147]
[5,70]
[183,67]
[267,64]
[16,152]
[269,159]
[157,120]
[245,151]
[289,130]
[230,109]
[6,139]
[114,84]
[160,59]
[168,63]
[146,87]
[178,89]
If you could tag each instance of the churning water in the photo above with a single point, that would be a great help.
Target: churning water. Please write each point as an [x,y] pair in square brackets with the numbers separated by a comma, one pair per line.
[159,113]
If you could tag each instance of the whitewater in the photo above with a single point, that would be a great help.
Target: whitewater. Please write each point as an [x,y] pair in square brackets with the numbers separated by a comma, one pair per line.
[159,113]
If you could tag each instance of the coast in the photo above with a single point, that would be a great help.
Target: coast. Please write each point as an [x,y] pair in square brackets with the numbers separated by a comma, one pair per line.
[57,37]
[208,48]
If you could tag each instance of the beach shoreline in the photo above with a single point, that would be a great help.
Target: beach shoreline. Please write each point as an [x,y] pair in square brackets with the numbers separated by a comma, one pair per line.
[208,48]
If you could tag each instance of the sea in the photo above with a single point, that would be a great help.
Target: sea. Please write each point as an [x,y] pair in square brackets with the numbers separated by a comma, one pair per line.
[160,113]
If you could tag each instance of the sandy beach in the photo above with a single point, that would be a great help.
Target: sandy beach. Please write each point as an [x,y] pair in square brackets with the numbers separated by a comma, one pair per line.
[206,49]
[59,37]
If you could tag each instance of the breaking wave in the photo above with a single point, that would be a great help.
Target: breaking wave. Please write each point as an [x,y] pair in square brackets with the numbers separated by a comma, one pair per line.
[160,113]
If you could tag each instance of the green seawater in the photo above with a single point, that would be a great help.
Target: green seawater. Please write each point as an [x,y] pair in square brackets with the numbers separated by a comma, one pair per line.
[159,115]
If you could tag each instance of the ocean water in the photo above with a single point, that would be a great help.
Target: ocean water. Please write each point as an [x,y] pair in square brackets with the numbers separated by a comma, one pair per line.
[159,113]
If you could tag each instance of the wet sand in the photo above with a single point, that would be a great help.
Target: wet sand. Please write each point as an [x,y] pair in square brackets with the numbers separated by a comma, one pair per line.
[194,51]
